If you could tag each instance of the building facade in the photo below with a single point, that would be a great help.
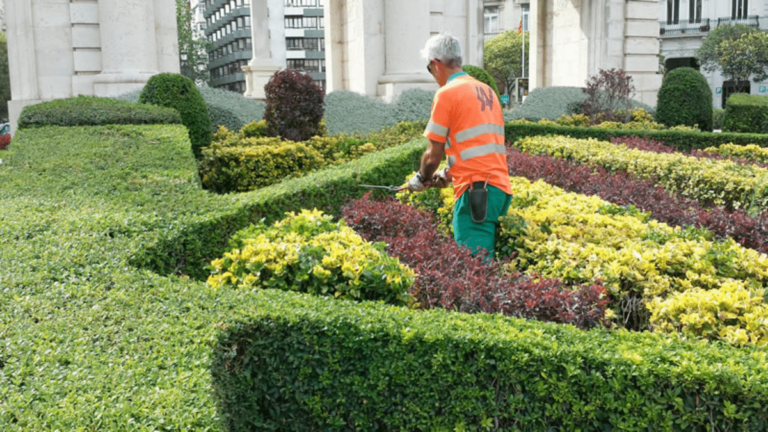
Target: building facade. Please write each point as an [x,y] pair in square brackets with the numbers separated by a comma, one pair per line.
[685,23]
[500,16]
[294,38]
[63,48]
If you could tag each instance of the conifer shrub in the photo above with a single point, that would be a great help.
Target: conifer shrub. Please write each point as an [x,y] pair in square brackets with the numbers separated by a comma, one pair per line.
[294,105]
[482,75]
[685,99]
[413,105]
[746,113]
[179,92]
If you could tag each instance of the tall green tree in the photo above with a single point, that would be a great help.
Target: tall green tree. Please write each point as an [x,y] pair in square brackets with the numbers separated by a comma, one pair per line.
[5,78]
[707,53]
[193,46]
[744,58]
[502,58]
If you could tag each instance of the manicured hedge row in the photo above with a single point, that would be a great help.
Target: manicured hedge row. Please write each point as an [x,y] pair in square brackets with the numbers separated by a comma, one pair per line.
[94,111]
[746,113]
[681,140]
[290,362]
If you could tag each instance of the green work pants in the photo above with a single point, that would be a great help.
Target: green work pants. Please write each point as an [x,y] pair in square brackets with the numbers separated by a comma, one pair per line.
[474,235]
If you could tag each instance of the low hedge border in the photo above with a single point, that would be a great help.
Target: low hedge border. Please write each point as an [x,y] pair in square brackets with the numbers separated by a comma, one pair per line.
[90,342]
[680,140]
[292,362]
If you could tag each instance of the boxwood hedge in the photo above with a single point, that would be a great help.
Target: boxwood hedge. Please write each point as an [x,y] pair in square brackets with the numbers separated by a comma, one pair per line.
[681,140]
[106,325]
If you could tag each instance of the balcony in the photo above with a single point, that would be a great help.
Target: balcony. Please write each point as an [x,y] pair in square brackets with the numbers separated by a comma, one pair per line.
[684,28]
[751,21]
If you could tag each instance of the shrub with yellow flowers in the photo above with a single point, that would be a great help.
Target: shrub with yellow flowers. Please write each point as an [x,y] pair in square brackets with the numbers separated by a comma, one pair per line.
[749,152]
[309,252]
[732,313]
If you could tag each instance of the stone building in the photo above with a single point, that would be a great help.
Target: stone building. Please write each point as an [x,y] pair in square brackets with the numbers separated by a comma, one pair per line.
[63,48]
[572,40]
[685,23]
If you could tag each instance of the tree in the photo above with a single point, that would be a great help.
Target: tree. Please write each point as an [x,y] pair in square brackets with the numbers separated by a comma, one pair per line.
[744,57]
[609,96]
[707,53]
[5,78]
[193,46]
[502,58]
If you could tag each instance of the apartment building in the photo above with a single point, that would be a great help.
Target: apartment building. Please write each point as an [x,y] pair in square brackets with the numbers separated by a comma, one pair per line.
[296,33]
[684,24]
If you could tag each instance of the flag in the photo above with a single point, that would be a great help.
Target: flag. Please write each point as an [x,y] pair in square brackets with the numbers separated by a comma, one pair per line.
[520,27]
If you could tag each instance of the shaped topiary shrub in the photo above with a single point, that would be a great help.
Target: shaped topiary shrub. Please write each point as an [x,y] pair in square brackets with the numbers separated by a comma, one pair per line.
[294,105]
[685,99]
[179,92]
[94,111]
[482,75]
[413,105]
[746,113]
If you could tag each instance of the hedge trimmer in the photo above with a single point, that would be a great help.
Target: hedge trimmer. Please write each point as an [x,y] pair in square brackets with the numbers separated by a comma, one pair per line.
[389,188]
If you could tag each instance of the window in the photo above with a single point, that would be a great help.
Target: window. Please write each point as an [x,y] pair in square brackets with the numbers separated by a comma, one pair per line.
[247,22]
[491,19]
[300,3]
[241,22]
[248,43]
[525,12]
[739,10]
[694,12]
[307,65]
[673,11]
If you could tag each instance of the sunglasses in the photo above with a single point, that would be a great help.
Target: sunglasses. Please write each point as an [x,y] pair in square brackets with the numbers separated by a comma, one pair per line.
[429,65]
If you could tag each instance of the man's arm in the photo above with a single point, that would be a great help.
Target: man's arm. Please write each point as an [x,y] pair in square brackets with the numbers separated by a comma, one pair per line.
[431,159]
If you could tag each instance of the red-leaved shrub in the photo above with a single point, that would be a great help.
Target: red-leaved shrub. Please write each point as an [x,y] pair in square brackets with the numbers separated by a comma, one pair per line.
[624,189]
[450,277]
[5,141]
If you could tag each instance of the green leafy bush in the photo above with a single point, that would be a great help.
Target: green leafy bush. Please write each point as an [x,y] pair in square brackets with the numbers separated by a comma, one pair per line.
[254,129]
[746,113]
[412,105]
[349,112]
[179,92]
[294,105]
[94,111]
[552,102]
[481,75]
[309,252]
[680,140]
[330,365]
[718,116]
[685,99]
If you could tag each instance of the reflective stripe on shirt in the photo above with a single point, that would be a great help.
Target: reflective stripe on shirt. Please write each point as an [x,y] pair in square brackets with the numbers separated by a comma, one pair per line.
[451,161]
[479,130]
[437,129]
[483,150]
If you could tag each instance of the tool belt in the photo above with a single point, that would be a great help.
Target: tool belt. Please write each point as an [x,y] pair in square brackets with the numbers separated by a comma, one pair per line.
[478,201]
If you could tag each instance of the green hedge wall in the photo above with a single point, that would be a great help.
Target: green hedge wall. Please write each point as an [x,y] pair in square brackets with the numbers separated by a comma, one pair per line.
[94,111]
[105,326]
[746,113]
[304,363]
[682,140]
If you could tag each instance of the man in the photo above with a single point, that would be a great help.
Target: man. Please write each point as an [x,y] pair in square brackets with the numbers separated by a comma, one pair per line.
[466,125]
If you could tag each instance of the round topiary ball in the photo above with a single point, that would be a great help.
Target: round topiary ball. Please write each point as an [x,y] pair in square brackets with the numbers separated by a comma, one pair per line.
[482,75]
[294,105]
[179,92]
[685,99]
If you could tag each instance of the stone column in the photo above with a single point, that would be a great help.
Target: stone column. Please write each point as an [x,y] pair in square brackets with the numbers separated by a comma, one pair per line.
[128,46]
[22,61]
[261,67]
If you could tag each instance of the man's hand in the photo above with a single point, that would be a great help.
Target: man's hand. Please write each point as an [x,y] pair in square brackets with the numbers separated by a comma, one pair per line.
[441,179]
[415,184]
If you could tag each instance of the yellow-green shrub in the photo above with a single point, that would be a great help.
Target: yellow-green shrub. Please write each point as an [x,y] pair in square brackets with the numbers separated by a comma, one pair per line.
[750,152]
[310,253]
[732,313]
[710,181]
[254,129]
[574,120]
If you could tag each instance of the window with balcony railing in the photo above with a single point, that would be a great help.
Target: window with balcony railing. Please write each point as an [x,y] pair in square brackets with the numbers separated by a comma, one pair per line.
[739,9]
[694,11]
[673,11]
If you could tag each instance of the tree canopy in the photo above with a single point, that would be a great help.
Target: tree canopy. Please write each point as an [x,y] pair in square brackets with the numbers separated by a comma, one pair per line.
[707,53]
[502,58]
[5,78]
[193,46]
[744,57]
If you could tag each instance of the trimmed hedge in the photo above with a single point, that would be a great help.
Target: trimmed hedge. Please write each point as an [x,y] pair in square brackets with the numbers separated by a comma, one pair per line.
[179,92]
[680,140]
[685,99]
[100,334]
[482,75]
[552,102]
[304,363]
[746,113]
[94,111]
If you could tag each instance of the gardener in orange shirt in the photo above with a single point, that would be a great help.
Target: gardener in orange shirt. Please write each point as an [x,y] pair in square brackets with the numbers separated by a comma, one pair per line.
[466,125]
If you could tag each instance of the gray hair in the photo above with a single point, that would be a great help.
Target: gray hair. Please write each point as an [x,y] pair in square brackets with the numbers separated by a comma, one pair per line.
[443,47]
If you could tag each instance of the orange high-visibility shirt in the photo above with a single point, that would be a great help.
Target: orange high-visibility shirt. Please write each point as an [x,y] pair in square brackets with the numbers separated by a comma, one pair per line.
[467,117]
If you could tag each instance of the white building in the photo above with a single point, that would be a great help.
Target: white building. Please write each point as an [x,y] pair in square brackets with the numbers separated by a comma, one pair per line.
[2,15]
[63,48]
[685,23]
[500,16]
